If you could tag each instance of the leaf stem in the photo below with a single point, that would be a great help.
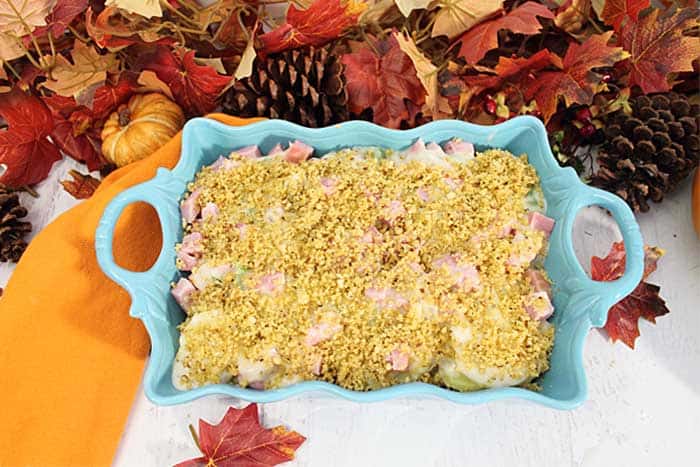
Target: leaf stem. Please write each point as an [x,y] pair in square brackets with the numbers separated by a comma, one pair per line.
[195,438]
[77,35]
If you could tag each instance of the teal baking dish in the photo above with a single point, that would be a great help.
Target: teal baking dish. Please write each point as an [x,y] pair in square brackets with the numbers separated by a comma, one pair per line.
[580,303]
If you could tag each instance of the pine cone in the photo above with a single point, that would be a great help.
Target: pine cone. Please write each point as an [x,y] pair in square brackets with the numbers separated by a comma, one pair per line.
[648,153]
[12,229]
[305,86]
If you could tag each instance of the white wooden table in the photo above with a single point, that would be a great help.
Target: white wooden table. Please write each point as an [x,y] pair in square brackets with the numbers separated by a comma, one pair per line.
[643,407]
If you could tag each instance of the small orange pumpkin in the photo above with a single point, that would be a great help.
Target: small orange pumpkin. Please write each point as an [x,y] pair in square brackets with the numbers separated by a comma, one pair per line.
[137,129]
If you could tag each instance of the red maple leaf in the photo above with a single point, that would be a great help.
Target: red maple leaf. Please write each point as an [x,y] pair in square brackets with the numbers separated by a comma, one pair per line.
[194,87]
[382,82]
[24,147]
[239,441]
[644,301]
[512,69]
[111,30]
[323,21]
[616,12]
[110,96]
[58,20]
[82,186]
[658,47]
[484,37]
[576,81]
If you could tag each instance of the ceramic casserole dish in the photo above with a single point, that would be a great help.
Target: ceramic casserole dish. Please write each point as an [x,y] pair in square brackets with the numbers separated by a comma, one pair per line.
[580,303]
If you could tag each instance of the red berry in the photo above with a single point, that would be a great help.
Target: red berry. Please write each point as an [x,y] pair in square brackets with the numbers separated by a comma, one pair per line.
[587,130]
[490,105]
[583,115]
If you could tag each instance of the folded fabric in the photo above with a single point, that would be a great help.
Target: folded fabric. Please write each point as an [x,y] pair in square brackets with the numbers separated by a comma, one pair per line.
[71,357]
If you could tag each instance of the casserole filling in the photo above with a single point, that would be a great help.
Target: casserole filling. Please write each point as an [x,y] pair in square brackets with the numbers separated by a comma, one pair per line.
[365,268]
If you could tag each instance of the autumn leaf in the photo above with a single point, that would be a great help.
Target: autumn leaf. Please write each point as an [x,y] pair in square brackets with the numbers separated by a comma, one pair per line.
[382,82]
[615,12]
[82,186]
[80,78]
[18,18]
[323,21]
[114,30]
[575,82]
[149,82]
[658,47]
[644,301]
[484,37]
[239,441]
[407,6]
[110,96]
[145,8]
[195,87]
[436,105]
[512,69]
[456,16]
[24,147]
[58,20]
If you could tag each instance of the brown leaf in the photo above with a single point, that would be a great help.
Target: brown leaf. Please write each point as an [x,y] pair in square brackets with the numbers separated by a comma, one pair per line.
[80,78]
[456,16]
[484,37]
[658,47]
[616,12]
[150,82]
[82,186]
[576,82]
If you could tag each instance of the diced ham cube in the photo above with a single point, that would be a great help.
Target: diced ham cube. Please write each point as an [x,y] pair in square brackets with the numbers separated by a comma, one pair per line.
[523,259]
[460,148]
[189,207]
[273,214]
[224,163]
[316,365]
[271,284]
[386,297]
[395,210]
[538,306]
[204,274]
[182,291]
[435,149]
[423,194]
[453,183]
[541,222]
[398,359]
[416,148]
[298,152]
[210,211]
[538,281]
[329,185]
[249,152]
[372,235]
[190,250]
[242,230]
[321,332]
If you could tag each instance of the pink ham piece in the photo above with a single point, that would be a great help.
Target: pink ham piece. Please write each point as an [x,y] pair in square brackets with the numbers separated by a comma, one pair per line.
[538,281]
[457,147]
[386,298]
[453,183]
[541,222]
[205,274]
[465,275]
[189,207]
[435,149]
[321,332]
[416,148]
[210,211]
[275,150]
[298,152]
[423,194]
[328,185]
[259,385]
[242,230]
[316,365]
[271,284]
[224,163]
[521,260]
[395,210]
[182,291]
[190,250]
[538,306]
[249,152]
[398,359]
[372,235]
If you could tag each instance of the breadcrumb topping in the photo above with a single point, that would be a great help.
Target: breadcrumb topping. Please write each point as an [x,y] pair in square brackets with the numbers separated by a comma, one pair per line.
[365,272]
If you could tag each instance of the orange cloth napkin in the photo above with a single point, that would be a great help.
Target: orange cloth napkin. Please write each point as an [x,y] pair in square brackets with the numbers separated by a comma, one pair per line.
[71,357]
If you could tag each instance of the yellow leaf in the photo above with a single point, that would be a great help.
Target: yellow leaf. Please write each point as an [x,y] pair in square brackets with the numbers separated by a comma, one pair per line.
[88,70]
[456,16]
[407,6]
[145,8]
[435,104]
[150,82]
[245,67]
[10,47]
[20,17]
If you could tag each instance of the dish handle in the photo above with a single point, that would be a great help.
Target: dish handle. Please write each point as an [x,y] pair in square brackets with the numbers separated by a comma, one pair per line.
[609,293]
[162,193]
